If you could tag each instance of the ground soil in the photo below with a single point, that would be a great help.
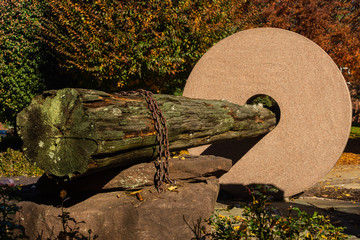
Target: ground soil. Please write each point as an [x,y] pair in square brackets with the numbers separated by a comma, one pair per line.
[352,195]
[324,189]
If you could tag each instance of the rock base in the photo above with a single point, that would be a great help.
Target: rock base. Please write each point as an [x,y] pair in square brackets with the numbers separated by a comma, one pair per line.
[122,215]
[125,204]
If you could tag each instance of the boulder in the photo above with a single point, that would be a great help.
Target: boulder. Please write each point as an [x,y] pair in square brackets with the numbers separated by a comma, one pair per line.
[122,215]
[188,168]
[124,204]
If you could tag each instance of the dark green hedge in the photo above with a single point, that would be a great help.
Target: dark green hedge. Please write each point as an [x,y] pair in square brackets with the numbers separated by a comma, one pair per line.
[20,78]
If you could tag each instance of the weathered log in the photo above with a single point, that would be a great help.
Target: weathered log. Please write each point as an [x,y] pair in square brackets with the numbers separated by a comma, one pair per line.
[73,131]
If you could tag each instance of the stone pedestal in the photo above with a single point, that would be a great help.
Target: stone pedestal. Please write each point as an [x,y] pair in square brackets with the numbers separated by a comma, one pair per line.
[122,216]
[128,206]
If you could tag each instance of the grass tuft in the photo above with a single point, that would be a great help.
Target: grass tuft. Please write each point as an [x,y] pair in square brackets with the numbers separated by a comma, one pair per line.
[355,132]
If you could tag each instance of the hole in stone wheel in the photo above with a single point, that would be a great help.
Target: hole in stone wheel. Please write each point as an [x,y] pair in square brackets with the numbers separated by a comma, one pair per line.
[236,149]
[268,102]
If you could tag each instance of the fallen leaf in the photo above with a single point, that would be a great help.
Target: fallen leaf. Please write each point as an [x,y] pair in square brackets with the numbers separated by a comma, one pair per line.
[139,197]
[134,192]
[349,159]
[172,188]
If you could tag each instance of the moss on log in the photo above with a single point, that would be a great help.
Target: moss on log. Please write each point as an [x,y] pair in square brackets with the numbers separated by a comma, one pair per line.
[69,132]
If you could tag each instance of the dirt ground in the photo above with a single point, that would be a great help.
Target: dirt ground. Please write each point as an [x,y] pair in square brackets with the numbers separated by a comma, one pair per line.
[330,193]
[343,181]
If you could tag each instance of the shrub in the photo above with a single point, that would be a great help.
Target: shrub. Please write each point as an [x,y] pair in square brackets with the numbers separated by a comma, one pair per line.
[260,222]
[152,44]
[14,163]
[8,228]
[20,77]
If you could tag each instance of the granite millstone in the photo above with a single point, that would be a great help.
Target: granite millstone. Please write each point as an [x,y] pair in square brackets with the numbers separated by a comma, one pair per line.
[312,95]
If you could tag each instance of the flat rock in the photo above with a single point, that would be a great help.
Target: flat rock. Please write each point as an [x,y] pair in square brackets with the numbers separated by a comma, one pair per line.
[187,168]
[180,169]
[121,215]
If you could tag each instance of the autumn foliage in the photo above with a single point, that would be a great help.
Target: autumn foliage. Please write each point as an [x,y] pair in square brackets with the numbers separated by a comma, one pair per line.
[333,25]
[150,44]
[120,45]
[154,44]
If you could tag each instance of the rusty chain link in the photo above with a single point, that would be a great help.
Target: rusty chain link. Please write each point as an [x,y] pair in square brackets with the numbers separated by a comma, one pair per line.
[162,162]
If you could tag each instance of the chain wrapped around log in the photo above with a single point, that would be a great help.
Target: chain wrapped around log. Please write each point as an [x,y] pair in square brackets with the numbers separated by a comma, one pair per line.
[70,132]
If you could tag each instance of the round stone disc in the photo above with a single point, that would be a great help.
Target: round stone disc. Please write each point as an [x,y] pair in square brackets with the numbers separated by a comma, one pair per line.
[312,95]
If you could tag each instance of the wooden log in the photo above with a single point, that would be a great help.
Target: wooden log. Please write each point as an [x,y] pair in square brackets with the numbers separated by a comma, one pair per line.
[69,132]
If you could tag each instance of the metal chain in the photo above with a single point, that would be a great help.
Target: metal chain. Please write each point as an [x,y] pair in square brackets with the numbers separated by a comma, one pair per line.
[162,162]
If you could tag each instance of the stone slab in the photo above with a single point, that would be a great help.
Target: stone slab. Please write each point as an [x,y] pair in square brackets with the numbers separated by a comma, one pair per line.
[189,168]
[344,176]
[119,215]
[312,95]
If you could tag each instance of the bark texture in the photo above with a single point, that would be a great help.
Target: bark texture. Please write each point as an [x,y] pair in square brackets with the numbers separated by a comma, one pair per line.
[69,132]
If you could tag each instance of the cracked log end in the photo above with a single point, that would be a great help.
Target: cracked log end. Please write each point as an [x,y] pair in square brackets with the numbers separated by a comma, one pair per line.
[53,128]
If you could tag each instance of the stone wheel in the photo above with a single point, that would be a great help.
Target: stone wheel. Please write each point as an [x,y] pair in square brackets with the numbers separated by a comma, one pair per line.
[312,95]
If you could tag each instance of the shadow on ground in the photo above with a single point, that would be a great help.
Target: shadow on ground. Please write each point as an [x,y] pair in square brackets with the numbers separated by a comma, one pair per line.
[353,146]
